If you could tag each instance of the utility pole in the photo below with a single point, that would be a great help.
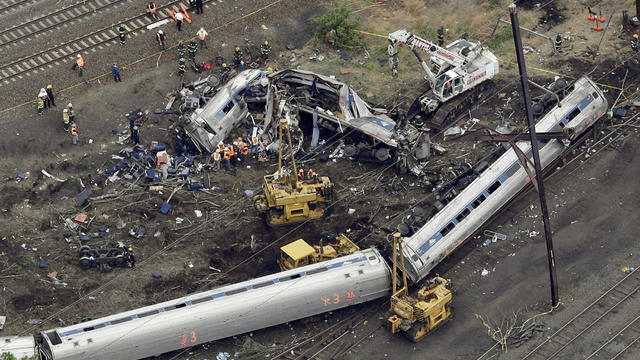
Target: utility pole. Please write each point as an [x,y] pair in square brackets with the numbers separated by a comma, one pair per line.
[515,25]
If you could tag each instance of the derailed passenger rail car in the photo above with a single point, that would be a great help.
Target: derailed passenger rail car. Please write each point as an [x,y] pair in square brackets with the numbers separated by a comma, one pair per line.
[222,312]
[500,182]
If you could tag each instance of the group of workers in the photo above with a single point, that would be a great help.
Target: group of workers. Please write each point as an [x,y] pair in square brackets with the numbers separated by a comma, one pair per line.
[129,256]
[309,175]
[235,153]
[46,99]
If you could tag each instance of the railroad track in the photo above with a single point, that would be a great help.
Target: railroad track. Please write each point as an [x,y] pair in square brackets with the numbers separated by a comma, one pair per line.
[335,341]
[48,22]
[98,39]
[11,5]
[625,294]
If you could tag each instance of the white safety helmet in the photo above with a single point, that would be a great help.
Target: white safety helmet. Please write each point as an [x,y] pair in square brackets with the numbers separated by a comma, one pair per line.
[42,90]
[160,32]
[201,29]
[69,105]
[79,56]
[65,110]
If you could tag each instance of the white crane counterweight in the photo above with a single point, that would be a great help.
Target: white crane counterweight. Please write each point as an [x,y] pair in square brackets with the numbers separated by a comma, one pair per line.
[456,69]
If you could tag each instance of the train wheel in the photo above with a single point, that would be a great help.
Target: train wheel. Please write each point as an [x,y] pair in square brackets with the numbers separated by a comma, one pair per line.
[84,262]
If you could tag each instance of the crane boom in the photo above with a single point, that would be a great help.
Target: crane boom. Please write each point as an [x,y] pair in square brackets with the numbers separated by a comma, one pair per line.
[416,42]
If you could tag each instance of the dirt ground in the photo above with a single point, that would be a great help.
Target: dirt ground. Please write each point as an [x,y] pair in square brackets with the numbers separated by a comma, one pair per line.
[594,209]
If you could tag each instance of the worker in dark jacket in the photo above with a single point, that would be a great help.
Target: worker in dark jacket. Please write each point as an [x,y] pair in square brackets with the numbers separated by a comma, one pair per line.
[199,7]
[50,95]
[265,50]
[122,33]
[237,57]
[440,36]
[115,70]
[181,66]
[193,48]
[557,45]
[135,135]
[634,43]
[131,258]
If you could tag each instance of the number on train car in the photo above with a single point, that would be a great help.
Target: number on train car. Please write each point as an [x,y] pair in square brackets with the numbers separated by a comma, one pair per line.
[187,339]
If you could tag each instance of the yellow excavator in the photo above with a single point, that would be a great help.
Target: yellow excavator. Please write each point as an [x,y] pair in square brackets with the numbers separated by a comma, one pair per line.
[300,253]
[420,315]
[288,199]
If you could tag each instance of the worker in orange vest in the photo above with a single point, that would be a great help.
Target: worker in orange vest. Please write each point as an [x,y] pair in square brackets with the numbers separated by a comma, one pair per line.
[301,174]
[151,11]
[216,160]
[227,159]
[255,145]
[244,152]
[232,153]
[79,64]
[74,133]
[311,175]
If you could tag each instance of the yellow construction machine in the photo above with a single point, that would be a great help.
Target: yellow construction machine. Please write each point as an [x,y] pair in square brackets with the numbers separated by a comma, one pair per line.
[417,316]
[299,253]
[288,199]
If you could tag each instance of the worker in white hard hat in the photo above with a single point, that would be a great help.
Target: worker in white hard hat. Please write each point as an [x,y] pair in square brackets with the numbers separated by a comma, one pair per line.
[161,38]
[79,64]
[72,115]
[202,36]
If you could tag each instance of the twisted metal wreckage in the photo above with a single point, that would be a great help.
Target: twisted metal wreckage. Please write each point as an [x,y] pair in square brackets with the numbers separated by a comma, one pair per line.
[315,106]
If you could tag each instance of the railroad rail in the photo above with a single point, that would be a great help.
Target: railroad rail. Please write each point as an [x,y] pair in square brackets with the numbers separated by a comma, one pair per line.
[334,342]
[47,22]
[97,39]
[625,292]
[11,5]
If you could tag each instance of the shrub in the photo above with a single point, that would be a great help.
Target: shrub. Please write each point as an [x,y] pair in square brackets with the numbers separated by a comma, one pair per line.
[337,26]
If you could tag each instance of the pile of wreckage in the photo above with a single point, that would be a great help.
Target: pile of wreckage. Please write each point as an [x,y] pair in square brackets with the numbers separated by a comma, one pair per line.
[251,103]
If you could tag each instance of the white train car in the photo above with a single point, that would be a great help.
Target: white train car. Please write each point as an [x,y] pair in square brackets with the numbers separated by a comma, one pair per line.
[222,312]
[497,185]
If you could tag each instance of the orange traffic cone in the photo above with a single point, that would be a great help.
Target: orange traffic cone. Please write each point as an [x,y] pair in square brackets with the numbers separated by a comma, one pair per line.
[592,15]
[600,18]
[186,14]
[598,27]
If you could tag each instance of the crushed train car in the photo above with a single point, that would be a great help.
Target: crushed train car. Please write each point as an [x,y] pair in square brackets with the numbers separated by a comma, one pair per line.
[317,106]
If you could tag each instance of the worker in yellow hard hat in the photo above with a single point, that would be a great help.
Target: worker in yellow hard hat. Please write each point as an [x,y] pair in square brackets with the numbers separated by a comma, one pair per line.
[265,50]
[634,43]
[50,95]
[237,57]
[131,258]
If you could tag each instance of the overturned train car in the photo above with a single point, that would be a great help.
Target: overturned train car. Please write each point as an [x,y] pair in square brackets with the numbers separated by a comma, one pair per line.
[494,187]
[219,313]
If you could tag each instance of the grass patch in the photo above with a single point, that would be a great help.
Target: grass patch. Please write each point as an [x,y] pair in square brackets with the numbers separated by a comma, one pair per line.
[501,42]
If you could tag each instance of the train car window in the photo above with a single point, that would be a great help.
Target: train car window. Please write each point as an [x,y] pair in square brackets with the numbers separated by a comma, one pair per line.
[573,114]
[594,94]
[415,258]
[478,201]
[89,341]
[236,291]
[54,338]
[494,187]
[295,276]
[88,328]
[119,321]
[201,300]
[152,312]
[315,271]
[447,228]
[512,170]
[262,284]
[372,258]
[99,326]
[463,214]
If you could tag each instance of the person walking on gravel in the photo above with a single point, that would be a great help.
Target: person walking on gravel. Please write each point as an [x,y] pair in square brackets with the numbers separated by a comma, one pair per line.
[65,119]
[199,5]
[74,133]
[161,38]
[122,33]
[50,95]
[43,95]
[116,72]
[40,105]
[79,64]
[202,36]
[179,20]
